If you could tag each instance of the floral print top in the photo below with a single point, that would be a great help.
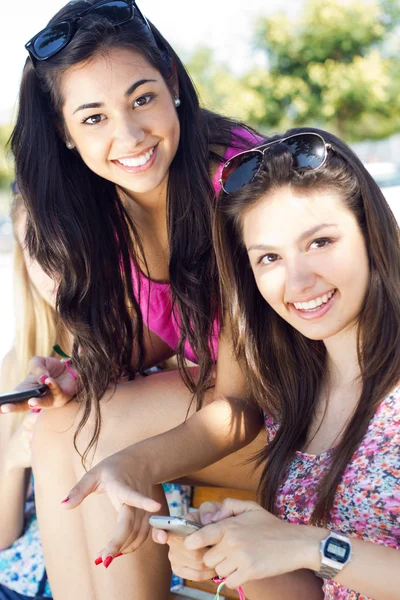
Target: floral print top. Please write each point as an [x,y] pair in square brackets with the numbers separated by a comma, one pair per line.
[22,564]
[367,501]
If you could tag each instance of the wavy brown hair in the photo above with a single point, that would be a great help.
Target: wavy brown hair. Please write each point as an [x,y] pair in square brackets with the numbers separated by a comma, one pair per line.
[286,370]
[78,226]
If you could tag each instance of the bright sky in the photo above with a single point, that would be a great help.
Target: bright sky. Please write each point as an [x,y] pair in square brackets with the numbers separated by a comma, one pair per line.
[225,25]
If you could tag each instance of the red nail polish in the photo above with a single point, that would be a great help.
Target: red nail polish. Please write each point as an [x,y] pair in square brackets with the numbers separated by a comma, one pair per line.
[36,410]
[119,554]
[107,561]
[65,500]
[98,561]
[43,378]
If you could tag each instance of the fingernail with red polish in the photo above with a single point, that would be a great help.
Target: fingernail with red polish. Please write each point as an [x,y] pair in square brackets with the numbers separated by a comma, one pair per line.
[119,554]
[107,561]
[65,500]
[98,561]
[43,378]
[36,410]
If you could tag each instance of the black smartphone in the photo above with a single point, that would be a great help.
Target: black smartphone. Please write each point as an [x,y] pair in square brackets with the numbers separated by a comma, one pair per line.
[21,396]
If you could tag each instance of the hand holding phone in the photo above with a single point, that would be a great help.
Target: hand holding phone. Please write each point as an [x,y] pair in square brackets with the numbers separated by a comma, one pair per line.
[175,525]
[61,387]
[21,396]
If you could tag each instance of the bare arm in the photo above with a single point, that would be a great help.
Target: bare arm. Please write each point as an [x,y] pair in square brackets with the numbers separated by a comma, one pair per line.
[189,564]
[246,544]
[15,470]
[228,422]
[373,570]
[14,480]
[62,387]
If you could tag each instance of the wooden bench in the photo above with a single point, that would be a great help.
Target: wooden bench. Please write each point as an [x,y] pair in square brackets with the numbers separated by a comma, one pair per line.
[213,494]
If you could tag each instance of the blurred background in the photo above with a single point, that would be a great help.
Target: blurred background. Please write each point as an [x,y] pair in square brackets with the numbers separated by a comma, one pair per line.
[334,64]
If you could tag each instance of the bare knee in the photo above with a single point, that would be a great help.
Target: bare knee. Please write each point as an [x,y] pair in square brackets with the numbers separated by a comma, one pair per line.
[141,409]
[134,411]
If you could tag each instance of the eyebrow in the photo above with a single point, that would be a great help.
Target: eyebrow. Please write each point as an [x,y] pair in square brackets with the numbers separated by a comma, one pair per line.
[128,92]
[301,238]
[135,85]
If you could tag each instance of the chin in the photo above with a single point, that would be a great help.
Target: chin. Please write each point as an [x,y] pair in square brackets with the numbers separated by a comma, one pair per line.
[316,335]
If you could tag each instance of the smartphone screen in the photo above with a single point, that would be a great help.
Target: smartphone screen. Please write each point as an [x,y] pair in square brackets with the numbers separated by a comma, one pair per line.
[21,396]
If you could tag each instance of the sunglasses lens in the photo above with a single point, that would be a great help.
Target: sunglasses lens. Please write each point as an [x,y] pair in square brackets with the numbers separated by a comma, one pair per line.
[117,11]
[308,151]
[51,40]
[240,171]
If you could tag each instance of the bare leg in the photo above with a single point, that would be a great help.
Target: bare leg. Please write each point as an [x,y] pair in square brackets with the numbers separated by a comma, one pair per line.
[71,539]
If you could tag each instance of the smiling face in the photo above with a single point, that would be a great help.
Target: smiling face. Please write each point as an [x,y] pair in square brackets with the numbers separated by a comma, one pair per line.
[309,259]
[120,115]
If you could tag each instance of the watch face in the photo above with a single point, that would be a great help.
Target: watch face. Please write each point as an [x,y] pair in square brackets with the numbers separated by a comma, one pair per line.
[337,550]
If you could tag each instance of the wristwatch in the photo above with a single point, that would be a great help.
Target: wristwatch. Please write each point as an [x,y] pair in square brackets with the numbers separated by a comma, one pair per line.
[335,554]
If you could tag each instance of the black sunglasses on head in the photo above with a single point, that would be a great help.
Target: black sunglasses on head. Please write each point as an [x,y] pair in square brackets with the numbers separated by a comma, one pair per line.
[309,151]
[55,37]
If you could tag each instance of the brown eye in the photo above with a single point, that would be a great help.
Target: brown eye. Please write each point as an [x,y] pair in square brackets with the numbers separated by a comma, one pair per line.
[143,100]
[321,242]
[268,259]
[93,119]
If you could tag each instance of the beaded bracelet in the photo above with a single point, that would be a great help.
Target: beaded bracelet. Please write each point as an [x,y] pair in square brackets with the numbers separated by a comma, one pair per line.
[221,585]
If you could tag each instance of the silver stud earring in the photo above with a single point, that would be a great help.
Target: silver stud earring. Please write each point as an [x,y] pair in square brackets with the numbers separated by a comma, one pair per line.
[177,102]
[69,145]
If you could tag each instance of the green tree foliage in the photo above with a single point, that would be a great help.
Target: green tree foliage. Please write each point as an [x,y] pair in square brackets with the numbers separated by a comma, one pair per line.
[337,65]
[5,164]
[218,88]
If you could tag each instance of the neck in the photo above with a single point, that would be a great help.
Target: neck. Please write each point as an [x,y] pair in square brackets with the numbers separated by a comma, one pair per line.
[342,359]
[148,211]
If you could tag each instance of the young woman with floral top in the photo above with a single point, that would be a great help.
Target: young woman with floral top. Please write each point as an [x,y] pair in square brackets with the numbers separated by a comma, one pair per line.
[309,256]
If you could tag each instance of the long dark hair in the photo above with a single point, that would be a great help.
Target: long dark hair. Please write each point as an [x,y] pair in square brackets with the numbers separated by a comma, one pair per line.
[286,370]
[79,228]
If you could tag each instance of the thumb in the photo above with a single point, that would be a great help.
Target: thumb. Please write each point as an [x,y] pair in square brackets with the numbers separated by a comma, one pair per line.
[87,485]
[159,536]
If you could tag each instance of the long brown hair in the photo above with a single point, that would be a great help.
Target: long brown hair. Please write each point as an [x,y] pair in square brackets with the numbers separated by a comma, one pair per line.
[285,370]
[78,226]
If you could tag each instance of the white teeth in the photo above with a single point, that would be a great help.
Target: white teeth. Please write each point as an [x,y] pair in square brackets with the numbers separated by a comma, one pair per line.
[314,303]
[137,162]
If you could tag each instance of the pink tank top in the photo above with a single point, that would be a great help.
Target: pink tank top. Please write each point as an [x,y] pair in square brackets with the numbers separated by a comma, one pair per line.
[155,298]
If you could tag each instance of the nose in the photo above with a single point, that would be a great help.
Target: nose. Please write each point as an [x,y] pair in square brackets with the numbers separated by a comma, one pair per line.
[128,133]
[300,277]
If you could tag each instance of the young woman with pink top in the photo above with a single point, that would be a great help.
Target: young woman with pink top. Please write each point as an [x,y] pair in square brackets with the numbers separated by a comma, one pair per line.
[309,256]
[118,166]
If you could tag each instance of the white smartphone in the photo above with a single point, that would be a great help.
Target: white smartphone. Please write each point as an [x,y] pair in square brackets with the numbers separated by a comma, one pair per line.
[176,525]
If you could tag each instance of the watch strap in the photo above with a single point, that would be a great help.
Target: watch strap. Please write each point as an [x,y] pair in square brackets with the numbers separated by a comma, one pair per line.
[329,567]
[326,571]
